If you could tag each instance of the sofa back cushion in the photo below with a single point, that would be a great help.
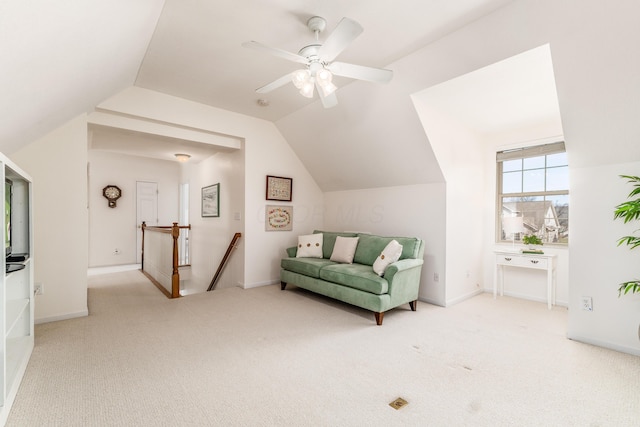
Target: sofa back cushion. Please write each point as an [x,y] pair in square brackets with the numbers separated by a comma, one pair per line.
[370,246]
[329,241]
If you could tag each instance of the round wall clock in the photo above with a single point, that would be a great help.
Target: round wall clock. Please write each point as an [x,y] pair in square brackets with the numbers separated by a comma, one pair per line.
[112,193]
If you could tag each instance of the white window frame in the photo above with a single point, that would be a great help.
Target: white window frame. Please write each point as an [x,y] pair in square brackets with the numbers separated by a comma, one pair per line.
[522,153]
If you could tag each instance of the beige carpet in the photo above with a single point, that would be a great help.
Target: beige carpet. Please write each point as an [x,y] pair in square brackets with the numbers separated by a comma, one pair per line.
[263,357]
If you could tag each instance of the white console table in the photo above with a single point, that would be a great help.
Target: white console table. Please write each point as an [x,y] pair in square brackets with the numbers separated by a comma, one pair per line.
[536,261]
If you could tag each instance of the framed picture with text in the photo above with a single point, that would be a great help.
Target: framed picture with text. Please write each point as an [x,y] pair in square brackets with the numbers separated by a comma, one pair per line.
[279,188]
[278,218]
[211,200]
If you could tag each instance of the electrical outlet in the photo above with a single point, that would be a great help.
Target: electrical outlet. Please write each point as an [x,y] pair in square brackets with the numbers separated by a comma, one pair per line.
[587,303]
[436,277]
[38,288]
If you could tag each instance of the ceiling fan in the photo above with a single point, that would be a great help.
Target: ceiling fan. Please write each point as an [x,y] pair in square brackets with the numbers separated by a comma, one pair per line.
[319,63]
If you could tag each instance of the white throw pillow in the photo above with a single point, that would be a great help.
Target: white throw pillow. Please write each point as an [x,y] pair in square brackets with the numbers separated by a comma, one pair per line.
[344,249]
[310,246]
[391,253]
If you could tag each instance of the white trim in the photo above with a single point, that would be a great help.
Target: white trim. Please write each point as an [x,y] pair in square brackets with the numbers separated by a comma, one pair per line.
[258,284]
[531,142]
[431,301]
[95,271]
[67,316]
[605,344]
[464,297]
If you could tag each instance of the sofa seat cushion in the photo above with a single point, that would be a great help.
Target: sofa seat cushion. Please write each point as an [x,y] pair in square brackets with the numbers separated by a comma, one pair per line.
[356,276]
[307,266]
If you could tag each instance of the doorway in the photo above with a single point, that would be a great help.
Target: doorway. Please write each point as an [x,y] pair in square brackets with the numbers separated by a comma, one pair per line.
[183,242]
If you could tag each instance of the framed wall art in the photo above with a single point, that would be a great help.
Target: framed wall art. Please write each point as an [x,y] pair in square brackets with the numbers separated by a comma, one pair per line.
[279,188]
[211,200]
[278,218]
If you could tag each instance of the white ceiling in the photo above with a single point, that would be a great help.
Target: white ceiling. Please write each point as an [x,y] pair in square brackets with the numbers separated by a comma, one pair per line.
[64,59]
[60,59]
[196,51]
[501,97]
[139,144]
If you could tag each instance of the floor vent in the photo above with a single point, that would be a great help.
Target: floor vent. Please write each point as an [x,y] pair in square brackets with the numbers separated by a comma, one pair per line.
[398,403]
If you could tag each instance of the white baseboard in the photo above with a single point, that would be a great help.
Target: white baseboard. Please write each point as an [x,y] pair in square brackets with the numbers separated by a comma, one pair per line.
[530,298]
[94,271]
[258,284]
[431,301]
[464,297]
[66,316]
[605,344]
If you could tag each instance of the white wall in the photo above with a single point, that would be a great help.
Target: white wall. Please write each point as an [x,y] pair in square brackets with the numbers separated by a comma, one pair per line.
[58,165]
[598,105]
[459,154]
[116,228]
[410,211]
[210,236]
[266,152]
[598,265]
[510,104]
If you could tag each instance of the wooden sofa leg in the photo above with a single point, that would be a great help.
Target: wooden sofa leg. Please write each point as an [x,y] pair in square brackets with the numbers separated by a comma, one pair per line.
[413,305]
[283,285]
[379,317]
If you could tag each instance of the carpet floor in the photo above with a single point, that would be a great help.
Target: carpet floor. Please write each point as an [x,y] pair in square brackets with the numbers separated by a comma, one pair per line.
[266,357]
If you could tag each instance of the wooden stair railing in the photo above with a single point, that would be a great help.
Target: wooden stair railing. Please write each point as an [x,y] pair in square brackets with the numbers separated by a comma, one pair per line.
[175,273]
[223,263]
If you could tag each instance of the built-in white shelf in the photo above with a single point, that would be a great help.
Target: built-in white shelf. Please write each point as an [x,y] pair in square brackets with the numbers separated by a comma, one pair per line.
[16,288]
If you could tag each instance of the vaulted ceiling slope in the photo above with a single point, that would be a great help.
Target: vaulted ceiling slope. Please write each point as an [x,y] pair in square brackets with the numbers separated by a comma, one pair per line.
[62,59]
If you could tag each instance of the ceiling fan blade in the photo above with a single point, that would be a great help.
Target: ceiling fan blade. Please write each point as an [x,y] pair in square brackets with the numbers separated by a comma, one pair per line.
[376,75]
[275,51]
[345,32]
[328,101]
[275,84]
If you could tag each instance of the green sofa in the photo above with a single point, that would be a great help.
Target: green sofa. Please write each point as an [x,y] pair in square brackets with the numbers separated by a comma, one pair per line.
[357,283]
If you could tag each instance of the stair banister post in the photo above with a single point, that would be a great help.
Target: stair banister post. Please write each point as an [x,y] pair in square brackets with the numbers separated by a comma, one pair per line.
[175,277]
[144,225]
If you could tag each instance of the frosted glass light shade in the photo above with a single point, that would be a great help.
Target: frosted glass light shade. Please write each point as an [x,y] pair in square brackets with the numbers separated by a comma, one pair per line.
[300,77]
[307,88]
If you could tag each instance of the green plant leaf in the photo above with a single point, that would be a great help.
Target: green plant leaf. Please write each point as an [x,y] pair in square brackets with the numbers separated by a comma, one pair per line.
[631,241]
[635,180]
[626,287]
[628,211]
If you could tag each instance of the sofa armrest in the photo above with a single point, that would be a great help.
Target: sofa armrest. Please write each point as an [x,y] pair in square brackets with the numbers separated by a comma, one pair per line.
[398,266]
[292,251]
[404,279]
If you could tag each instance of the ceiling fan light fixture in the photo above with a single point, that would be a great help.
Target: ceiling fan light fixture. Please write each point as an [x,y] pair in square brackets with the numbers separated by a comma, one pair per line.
[300,77]
[307,88]
[319,60]
[328,88]
[324,76]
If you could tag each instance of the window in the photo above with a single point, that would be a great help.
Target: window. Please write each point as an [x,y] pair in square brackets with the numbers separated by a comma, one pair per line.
[533,184]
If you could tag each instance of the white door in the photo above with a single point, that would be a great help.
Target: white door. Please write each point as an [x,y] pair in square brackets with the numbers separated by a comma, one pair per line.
[146,210]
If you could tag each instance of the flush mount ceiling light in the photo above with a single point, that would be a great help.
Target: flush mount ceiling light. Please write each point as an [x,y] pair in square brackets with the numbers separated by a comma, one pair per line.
[318,59]
[182,158]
